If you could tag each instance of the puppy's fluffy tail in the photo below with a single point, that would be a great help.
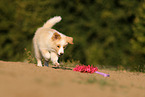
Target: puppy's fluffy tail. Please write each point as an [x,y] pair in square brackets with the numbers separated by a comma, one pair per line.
[51,22]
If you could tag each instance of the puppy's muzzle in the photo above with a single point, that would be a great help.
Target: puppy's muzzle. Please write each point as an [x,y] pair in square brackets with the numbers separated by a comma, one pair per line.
[61,54]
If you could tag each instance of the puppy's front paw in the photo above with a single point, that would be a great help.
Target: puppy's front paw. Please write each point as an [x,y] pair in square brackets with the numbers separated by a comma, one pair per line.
[39,65]
[57,64]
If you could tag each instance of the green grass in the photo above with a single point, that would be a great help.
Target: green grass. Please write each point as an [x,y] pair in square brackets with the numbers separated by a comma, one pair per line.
[29,57]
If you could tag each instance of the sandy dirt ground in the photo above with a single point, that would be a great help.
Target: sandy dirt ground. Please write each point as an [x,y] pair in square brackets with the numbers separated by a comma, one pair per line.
[18,79]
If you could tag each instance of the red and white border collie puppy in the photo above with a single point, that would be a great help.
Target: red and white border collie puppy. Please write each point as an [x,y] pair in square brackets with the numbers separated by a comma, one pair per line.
[50,43]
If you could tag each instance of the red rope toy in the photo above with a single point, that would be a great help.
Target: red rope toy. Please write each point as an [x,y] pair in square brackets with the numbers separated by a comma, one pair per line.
[85,69]
[89,69]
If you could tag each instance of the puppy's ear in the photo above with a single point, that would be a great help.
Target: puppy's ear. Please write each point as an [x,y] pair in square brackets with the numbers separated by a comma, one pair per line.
[56,36]
[69,40]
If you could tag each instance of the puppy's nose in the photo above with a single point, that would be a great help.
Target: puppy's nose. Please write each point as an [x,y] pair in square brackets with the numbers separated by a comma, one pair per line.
[61,54]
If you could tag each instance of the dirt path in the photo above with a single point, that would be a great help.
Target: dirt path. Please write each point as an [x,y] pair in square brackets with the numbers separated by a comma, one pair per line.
[19,79]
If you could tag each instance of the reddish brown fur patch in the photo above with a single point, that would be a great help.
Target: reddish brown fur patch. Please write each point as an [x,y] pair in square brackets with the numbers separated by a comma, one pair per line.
[56,36]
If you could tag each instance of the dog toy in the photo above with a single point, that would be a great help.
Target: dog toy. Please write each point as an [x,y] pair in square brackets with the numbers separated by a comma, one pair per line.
[89,69]
[105,75]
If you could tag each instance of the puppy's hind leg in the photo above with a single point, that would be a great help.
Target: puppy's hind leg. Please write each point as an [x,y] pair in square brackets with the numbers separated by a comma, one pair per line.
[37,53]
[39,62]
[38,58]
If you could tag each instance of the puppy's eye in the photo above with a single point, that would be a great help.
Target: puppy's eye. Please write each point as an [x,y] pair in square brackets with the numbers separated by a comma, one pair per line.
[58,46]
[64,47]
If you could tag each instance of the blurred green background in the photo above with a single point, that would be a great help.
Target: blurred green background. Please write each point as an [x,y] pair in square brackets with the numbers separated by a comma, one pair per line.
[110,33]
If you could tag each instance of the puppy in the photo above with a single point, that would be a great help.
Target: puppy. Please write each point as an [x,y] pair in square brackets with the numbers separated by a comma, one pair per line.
[49,43]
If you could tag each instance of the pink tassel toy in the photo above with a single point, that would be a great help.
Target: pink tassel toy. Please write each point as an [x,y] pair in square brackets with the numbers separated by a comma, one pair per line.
[89,69]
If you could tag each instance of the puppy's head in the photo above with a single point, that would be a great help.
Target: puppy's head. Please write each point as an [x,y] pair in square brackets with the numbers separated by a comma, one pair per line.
[61,42]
